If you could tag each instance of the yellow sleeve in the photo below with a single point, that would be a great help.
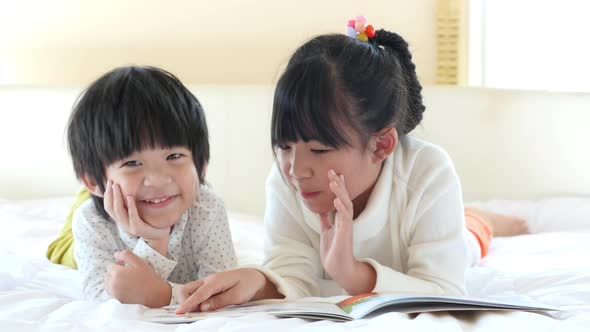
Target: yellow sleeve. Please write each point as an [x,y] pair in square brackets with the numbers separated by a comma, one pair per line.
[61,250]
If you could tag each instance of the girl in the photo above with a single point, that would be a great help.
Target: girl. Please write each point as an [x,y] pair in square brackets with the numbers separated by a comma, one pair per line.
[354,204]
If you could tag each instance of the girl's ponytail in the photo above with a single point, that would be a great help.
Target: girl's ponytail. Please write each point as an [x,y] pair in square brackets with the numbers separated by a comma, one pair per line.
[397,46]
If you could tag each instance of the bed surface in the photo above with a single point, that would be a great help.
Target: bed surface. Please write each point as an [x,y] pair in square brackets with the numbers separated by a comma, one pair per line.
[550,266]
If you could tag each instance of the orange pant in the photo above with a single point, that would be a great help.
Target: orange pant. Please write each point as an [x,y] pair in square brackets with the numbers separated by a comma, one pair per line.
[480,229]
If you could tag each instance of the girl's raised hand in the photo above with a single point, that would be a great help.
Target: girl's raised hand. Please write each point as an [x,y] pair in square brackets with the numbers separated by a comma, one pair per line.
[337,255]
[128,217]
[336,236]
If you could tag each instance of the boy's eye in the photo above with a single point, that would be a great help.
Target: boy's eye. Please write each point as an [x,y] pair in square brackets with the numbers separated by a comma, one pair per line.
[174,156]
[131,163]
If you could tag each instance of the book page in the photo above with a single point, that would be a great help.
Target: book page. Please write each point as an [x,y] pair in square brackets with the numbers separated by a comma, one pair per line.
[298,309]
[360,306]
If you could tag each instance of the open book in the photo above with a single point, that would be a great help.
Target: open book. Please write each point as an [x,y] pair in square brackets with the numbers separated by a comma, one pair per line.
[352,308]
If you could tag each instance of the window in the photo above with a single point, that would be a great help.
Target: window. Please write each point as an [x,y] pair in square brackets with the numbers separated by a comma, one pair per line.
[529,44]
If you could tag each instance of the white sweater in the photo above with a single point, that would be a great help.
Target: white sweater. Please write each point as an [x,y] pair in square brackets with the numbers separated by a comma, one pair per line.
[411,231]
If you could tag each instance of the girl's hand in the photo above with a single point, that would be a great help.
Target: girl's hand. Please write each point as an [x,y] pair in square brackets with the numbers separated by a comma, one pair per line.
[132,280]
[128,217]
[225,288]
[336,244]
[336,237]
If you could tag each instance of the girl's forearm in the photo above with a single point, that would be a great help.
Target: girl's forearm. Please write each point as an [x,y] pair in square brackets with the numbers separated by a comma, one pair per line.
[359,279]
[268,290]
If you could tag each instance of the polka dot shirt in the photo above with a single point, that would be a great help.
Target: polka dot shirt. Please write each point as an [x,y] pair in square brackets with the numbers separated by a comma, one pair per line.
[200,244]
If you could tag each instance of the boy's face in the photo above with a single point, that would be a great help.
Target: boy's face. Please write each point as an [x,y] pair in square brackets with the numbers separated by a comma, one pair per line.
[163,182]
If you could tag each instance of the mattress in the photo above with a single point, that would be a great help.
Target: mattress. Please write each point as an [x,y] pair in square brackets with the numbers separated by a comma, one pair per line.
[550,266]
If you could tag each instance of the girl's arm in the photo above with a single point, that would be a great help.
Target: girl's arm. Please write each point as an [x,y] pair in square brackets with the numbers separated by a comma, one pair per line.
[432,227]
[291,265]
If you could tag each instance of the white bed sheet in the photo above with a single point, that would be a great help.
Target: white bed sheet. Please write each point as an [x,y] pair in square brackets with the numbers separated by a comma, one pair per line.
[550,266]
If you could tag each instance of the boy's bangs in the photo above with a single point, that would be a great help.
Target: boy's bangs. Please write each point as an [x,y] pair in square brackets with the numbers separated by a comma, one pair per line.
[145,121]
[306,104]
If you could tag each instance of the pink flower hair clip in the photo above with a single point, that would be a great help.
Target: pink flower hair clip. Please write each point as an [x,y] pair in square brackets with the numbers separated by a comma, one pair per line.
[358,29]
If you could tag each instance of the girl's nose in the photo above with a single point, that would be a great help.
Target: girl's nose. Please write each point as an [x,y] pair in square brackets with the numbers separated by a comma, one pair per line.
[299,167]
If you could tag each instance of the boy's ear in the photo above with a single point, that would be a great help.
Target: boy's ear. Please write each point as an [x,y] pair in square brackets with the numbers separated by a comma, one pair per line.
[384,143]
[91,185]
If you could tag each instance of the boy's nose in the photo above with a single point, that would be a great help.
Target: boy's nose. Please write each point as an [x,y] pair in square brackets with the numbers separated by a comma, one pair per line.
[155,179]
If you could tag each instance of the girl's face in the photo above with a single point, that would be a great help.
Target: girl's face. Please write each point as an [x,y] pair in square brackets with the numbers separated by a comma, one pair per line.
[163,182]
[305,166]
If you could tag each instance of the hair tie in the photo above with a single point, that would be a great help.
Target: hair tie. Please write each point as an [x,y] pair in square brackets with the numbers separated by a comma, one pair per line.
[358,29]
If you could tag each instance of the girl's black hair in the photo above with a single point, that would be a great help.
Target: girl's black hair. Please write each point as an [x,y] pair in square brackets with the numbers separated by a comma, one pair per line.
[128,109]
[333,81]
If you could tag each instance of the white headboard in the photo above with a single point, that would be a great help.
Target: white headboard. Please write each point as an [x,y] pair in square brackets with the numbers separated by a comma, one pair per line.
[505,144]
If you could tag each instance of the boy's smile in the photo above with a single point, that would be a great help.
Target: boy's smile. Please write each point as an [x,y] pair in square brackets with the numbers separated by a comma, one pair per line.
[163,182]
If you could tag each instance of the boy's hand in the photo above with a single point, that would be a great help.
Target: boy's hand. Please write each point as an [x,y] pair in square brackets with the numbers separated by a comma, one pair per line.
[225,288]
[128,217]
[132,280]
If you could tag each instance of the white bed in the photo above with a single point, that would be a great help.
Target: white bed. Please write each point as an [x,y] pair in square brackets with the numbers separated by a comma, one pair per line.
[549,266]
[523,147]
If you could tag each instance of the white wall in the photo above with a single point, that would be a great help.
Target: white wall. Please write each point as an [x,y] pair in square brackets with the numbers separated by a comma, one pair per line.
[66,42]
[505,144]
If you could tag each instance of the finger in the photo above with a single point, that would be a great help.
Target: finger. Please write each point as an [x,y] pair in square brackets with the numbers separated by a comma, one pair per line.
[229,297]
[113,270]
[188,289]
[130,259]
[332,175]
[119,207]
[195,299]
[133,215]
[203,293]
[338,187]
[108,198]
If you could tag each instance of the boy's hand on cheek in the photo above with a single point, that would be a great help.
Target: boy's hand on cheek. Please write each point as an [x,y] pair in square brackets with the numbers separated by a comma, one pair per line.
[132,280]
[128,217]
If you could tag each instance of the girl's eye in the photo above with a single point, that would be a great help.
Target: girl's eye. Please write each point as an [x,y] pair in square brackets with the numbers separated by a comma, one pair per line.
[320,151]
[131,163]
[174,156]
[283,147]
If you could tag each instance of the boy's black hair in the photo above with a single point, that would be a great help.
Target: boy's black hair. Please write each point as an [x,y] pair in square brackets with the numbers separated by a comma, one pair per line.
[128,109]
[333,81]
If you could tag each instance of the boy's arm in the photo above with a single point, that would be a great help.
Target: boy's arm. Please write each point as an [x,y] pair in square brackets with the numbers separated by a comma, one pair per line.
[104,278]
[216,250]
[163,265]
[94,249]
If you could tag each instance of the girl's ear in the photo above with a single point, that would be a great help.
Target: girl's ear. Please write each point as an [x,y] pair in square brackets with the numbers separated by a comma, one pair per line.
[91,185]
[385,141]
